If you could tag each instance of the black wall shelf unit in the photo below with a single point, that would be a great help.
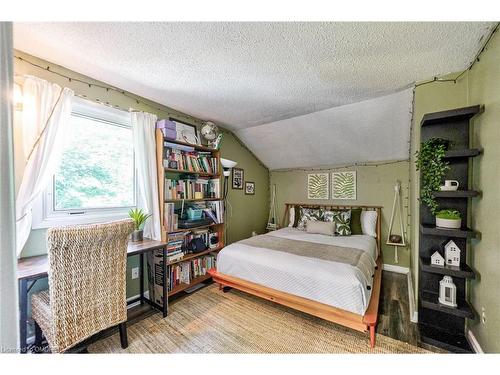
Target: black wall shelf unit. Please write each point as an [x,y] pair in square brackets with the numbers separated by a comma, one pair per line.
[441,325]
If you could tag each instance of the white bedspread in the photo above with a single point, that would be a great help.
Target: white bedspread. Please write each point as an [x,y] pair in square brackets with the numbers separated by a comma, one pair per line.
[336,284]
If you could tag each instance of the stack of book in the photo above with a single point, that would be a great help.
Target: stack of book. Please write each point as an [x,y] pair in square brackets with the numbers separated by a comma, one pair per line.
[201,265]
[181,158]
[179,274]
[176,246]
[190,188]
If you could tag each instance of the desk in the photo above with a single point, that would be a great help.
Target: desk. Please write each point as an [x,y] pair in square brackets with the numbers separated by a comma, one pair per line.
[31,269]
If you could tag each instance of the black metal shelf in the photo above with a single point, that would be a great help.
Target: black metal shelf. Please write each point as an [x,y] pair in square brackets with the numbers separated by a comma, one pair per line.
[453,342]
[429,300]
[456,194]
[463,271]
[465,153]
[432,230]
[453,115]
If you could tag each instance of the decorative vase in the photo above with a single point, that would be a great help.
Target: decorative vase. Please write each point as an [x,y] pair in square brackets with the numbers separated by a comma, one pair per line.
[448,223]
[137,235]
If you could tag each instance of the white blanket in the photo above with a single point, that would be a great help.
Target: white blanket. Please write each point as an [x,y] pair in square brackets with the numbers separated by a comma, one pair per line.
[336,284]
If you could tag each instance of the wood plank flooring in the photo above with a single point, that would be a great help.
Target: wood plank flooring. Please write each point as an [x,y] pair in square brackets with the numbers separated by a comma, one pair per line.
[394,310]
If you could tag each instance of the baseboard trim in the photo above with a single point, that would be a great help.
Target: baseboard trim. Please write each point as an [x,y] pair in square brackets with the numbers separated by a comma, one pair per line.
[473,342]
[394,268]
[146,294]
[411,300]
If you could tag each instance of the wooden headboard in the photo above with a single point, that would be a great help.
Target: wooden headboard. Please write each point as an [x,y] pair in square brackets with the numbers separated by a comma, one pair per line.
[284,222]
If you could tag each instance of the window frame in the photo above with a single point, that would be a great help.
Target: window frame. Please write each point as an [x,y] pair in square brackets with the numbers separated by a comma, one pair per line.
[44,213]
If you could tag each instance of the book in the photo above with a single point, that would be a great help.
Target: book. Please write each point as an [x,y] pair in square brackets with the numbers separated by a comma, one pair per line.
[185,158]
[192,188]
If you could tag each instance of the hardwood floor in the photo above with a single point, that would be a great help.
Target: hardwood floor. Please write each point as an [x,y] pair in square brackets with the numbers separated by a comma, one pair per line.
[394,309]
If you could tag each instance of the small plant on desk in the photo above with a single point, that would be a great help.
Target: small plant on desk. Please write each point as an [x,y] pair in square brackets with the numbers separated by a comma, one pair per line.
[139,218]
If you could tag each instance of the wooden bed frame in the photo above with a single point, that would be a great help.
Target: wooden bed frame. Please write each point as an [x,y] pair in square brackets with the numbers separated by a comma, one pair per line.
[363,323]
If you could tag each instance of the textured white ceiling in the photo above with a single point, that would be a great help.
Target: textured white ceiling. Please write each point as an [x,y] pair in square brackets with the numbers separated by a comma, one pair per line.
[247,74]
[372,130]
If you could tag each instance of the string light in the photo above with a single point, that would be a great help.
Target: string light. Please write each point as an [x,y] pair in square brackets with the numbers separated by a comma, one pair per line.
[135,98]
[475,60]
[367,164]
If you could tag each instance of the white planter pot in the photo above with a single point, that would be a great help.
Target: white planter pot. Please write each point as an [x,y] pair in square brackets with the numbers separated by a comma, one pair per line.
[448,223]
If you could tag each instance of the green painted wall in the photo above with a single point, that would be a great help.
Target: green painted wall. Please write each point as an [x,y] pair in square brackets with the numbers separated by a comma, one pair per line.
[375,186]
[480,85]
[484,88]
[248,212]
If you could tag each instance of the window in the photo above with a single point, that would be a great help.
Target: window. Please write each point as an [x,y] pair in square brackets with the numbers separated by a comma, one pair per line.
[95,180]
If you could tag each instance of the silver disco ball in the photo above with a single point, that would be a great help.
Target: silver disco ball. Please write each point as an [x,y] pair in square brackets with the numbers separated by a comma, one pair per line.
[209,131]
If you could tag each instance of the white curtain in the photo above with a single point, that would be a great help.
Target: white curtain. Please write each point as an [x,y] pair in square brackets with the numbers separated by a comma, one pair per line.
[46,112]
[9,327]
[143,127]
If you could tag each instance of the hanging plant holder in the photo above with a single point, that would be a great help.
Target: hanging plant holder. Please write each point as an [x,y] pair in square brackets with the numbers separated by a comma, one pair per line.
[394,239]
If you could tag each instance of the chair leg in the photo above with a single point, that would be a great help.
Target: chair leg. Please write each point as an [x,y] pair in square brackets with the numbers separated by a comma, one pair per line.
[123,334]
[38,338]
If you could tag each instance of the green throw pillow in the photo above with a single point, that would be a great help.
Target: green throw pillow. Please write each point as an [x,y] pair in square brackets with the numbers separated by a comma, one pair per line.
[342,221]
[356,221]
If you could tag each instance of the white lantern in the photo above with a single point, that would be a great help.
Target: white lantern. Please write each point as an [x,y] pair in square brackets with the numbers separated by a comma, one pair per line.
[447,292]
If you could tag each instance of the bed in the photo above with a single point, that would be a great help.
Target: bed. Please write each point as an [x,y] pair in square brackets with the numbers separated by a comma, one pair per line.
[336,278]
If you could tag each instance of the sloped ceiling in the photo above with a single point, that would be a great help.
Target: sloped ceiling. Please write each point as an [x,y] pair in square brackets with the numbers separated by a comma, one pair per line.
[298,94]
[372,130]
[247,74]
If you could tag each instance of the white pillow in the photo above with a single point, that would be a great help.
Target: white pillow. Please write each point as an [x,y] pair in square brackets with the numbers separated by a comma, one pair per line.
[369,223]
[321,227]
[291,216]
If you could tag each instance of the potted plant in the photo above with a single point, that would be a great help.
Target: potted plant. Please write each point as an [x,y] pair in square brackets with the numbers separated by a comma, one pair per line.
[433,168]
[450,219]
[139,218]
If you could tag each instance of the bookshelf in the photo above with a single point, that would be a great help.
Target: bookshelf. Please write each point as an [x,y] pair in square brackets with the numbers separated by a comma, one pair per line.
[178,177]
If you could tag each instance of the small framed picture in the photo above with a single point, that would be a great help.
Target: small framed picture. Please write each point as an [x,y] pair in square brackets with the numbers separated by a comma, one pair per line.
[238,178]
[249,187]
[186,132]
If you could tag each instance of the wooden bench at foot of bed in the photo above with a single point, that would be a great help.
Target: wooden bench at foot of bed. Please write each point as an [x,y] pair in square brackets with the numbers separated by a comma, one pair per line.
[363,323]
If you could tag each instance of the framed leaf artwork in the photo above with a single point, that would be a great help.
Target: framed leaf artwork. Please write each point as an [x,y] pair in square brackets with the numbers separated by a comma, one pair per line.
[317,185]
[344,185]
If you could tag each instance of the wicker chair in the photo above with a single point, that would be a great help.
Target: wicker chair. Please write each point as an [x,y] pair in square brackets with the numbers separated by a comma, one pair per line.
[87,272]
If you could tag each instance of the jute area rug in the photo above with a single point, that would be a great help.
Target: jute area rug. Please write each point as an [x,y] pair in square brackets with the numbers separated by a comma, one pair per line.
[210,321]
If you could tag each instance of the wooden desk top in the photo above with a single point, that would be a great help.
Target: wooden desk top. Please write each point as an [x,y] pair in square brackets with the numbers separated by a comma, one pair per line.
[38,266]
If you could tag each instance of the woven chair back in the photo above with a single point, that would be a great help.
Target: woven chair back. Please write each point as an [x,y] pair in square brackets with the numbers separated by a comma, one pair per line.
[87,279]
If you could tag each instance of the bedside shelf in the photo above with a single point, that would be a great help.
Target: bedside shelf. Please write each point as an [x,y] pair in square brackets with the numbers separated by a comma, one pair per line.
[456,194]
[464,271]
[429,300]
[432,230]
[466,153]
